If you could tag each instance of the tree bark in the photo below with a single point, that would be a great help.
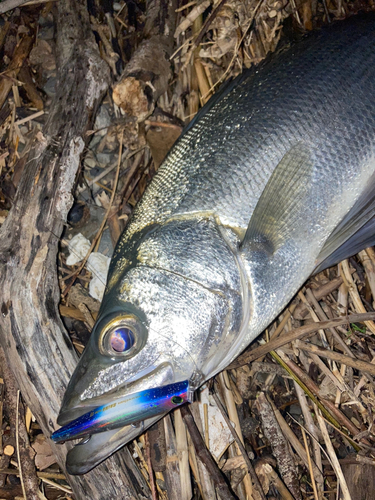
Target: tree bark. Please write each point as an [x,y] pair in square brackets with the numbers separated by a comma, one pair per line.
[37,348]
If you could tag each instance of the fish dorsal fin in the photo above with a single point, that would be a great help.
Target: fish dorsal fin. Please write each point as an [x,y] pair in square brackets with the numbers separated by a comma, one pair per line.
[278,209]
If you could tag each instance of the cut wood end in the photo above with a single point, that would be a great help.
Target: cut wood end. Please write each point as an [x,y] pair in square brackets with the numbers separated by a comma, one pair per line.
[129,95]
[9,450]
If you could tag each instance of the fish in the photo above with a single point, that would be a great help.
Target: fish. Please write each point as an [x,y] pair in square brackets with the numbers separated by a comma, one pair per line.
[272,182]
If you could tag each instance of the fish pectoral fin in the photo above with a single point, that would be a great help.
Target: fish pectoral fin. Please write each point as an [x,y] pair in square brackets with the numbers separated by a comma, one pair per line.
[279,207]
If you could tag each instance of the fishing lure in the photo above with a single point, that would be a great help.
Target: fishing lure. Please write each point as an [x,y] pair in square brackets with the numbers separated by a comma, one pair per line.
[123,412]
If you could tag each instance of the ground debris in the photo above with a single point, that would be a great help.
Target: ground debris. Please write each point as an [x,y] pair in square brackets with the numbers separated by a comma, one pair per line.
[309,376]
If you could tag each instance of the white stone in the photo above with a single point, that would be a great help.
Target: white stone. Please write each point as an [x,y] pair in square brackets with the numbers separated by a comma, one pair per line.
[98,265]
[78,248]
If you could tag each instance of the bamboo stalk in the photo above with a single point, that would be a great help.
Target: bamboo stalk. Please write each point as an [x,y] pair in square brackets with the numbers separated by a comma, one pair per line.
[183,456]
[313,430]
[172,472]
[368,260]
[334,460]
[233,415]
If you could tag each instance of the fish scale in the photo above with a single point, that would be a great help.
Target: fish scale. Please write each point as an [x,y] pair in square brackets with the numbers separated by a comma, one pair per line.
[273,180]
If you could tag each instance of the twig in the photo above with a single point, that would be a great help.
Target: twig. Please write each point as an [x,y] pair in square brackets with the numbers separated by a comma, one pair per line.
[66,489]
[339,381]
[206,426]
[288,314]
[314,315]
[249,465]
[29,118]
[41,475]
[323,317]
[20,53]
[366,257]
[233,415]
[310,464]
[354,294]
[327,407]
[336,356]
[320,292]
[238,45]
[208,23]
[295,334]
[205,455]
[150,469]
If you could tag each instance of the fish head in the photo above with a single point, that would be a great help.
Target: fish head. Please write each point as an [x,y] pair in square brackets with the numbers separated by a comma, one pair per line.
[172,309]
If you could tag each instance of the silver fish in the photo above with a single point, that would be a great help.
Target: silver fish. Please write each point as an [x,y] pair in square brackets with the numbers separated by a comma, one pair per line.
[273,181]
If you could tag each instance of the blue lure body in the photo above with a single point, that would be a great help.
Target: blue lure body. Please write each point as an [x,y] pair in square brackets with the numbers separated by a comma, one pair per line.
[125,411]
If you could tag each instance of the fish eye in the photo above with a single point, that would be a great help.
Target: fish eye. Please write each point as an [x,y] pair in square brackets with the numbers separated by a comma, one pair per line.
[121,336]
[177,400]
[121,339]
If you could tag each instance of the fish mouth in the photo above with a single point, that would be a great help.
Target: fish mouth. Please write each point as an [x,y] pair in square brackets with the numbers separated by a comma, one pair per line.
[74,407]
[109,421]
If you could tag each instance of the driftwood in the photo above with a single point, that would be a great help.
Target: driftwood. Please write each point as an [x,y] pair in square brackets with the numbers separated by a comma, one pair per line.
[37,348]
[147,74]
[360,479]
[279,445]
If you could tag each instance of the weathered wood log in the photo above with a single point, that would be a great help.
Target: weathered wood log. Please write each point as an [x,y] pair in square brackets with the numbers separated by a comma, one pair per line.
[147,74]
[360,479]
[37,348]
